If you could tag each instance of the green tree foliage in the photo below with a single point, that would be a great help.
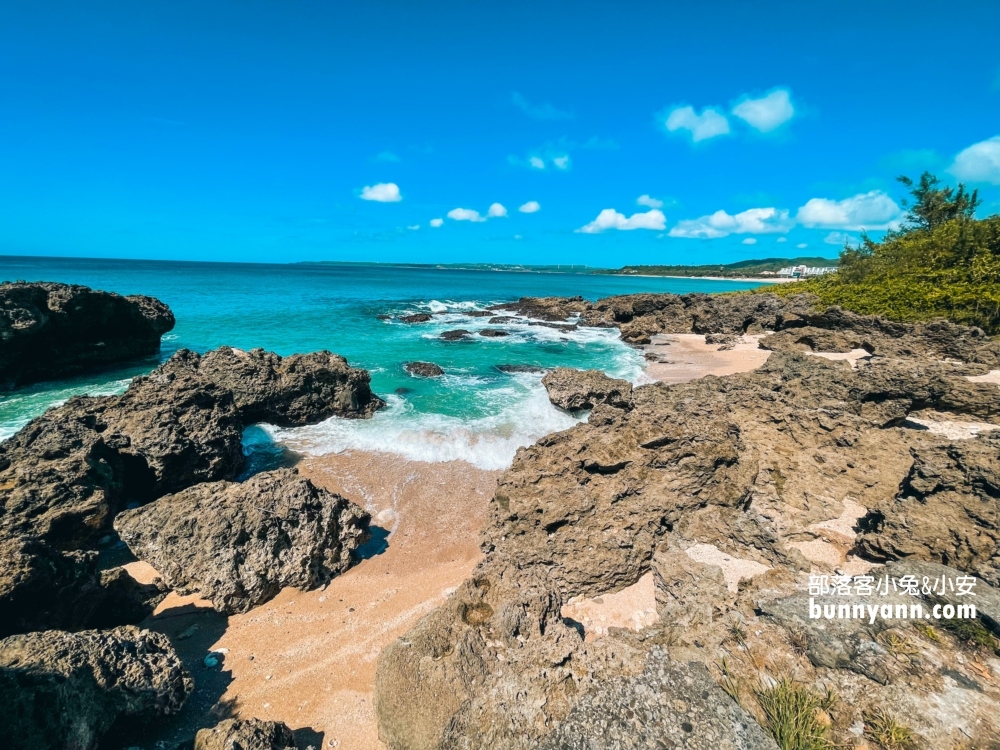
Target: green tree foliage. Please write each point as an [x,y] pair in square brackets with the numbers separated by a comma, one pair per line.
[943,263]
[933,206]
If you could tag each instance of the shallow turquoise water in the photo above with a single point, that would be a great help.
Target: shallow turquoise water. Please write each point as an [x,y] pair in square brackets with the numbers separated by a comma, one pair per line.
[475,412]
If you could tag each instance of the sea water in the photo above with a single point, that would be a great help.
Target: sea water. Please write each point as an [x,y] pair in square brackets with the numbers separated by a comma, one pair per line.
[474,413]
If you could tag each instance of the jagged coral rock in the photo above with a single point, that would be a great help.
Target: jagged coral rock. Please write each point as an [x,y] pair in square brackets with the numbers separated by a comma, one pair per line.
[575,390]
[239,544]
[65,690]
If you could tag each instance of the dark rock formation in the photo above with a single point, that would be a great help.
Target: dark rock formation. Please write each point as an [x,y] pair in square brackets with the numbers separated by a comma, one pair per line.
[547,308]
[49,330]
[504,320]
[65,690]
[511,369]
[424,369]
[456,335]
[70,471]
[245,734]
[416,318]
[479,313]
[44,588]
[493,333]
[576,390]
[238,545]
[946,509]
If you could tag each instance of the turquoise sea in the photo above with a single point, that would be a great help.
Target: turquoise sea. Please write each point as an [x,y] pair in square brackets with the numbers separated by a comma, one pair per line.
[474,413]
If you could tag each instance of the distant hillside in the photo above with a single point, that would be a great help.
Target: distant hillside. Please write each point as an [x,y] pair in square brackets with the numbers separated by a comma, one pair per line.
[739,270]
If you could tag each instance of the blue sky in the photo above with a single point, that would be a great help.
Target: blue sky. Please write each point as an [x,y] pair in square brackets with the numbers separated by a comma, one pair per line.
[286,130]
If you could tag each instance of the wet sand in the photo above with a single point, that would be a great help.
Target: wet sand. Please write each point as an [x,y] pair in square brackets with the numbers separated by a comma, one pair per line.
[308,658]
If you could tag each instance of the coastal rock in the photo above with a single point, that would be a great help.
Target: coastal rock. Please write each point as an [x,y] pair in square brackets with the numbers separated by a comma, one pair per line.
[424,369]
[50,330]
[945,511]
[479,313]
[546,308]
[239,544]
[493,333]
[43,588]
[504,320]
[725,341]
[671,704]
[245,734]
[416,318]
[68,472]
[456,335]
[65,690]
[514,369]
[576,390]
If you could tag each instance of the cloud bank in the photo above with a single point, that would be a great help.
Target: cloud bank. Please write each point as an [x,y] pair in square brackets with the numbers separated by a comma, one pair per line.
[611,219]
[767,112]
[873,210]
[709,124]
[383,192]
[980,162]
[722,224]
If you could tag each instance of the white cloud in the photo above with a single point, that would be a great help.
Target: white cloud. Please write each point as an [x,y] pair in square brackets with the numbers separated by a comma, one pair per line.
[436,222]
[980,162]
[646,200]
[383,192]
[841,238]
[709,124]
[539,111]
[496,210]
[611,219]
[465,214]
[750,241]
[768,112]
[782,239]
[872,210]
[414,227]
[722,224]
[802,246]
[561,162]
[536,162]
[530,207]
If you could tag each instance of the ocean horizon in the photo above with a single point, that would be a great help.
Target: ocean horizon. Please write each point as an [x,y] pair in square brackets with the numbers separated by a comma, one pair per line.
[474,413]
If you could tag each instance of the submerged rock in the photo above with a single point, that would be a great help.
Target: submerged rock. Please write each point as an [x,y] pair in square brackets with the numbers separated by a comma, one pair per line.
[416,318]
[513,369]
[65,690]
[576,390]
[424,369]
[456,335]
[493,333]
[245,734]
[238,545]
[50,330]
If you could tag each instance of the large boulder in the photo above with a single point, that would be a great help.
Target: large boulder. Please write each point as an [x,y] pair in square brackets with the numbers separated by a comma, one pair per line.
[63,691]
[245,734]
[577,390]
[239,544]
[45,588]
[49,330]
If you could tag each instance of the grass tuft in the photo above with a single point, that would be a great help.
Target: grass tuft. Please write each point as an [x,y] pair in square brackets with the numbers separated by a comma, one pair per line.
[794,715]
[882,727]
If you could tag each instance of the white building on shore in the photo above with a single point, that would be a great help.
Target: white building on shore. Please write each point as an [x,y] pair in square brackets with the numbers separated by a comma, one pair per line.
[804,272]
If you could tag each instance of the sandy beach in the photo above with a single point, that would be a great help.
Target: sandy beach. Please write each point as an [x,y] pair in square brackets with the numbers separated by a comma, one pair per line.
[308,658]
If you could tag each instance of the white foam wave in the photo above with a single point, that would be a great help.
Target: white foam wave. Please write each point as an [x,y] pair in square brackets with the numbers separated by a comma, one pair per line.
[488,442]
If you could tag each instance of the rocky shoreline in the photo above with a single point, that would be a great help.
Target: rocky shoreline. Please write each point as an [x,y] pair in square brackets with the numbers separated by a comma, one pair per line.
[727,493]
